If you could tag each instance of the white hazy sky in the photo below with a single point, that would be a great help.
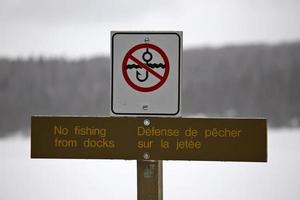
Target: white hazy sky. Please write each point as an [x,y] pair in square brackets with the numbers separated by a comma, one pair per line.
[78,28]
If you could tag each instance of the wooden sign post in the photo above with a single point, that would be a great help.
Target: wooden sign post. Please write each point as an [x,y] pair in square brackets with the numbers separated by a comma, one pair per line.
[146,82]
[149,179]
[149,141]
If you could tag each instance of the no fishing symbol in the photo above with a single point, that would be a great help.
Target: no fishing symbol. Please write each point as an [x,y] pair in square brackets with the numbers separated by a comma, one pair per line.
[149,66]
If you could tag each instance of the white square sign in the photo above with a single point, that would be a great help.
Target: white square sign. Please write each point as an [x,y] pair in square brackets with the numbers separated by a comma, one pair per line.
[146,73]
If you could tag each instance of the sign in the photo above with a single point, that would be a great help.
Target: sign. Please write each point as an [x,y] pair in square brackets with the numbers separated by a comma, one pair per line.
[146,73]
[147,57]
[149,138]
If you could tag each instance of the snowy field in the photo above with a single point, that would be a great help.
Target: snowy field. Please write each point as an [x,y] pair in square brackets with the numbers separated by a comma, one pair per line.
[23,178]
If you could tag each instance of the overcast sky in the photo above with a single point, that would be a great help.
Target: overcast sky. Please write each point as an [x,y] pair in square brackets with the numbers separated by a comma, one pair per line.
[82,27]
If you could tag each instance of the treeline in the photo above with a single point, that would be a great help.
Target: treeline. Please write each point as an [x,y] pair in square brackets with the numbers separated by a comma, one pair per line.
[51,87]
[246,81]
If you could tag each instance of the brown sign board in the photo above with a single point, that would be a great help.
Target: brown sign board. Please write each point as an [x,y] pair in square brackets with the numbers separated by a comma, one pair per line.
[139,138]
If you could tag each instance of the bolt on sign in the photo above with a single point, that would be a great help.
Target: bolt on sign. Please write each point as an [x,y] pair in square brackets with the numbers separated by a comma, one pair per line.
[146,73]
[155,138]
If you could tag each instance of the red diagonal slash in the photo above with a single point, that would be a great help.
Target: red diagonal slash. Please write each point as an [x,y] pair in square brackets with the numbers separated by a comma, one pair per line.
[146,67]
[129,56]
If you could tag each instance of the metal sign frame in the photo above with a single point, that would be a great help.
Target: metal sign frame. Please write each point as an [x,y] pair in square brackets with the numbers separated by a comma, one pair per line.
[176,113]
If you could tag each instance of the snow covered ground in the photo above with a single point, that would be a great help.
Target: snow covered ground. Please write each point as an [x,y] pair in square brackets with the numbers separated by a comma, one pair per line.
[23,178]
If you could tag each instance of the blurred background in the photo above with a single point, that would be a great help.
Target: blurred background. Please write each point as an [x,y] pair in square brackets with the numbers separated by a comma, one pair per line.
[241,59]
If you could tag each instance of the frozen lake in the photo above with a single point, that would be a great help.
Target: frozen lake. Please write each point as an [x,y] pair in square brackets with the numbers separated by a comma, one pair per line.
[23,178]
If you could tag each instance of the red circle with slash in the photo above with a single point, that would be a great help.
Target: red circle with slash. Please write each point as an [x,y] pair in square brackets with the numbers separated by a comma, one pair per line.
[162,78]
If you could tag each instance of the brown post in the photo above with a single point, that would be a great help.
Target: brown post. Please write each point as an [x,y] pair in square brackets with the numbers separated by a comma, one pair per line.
[149,180]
